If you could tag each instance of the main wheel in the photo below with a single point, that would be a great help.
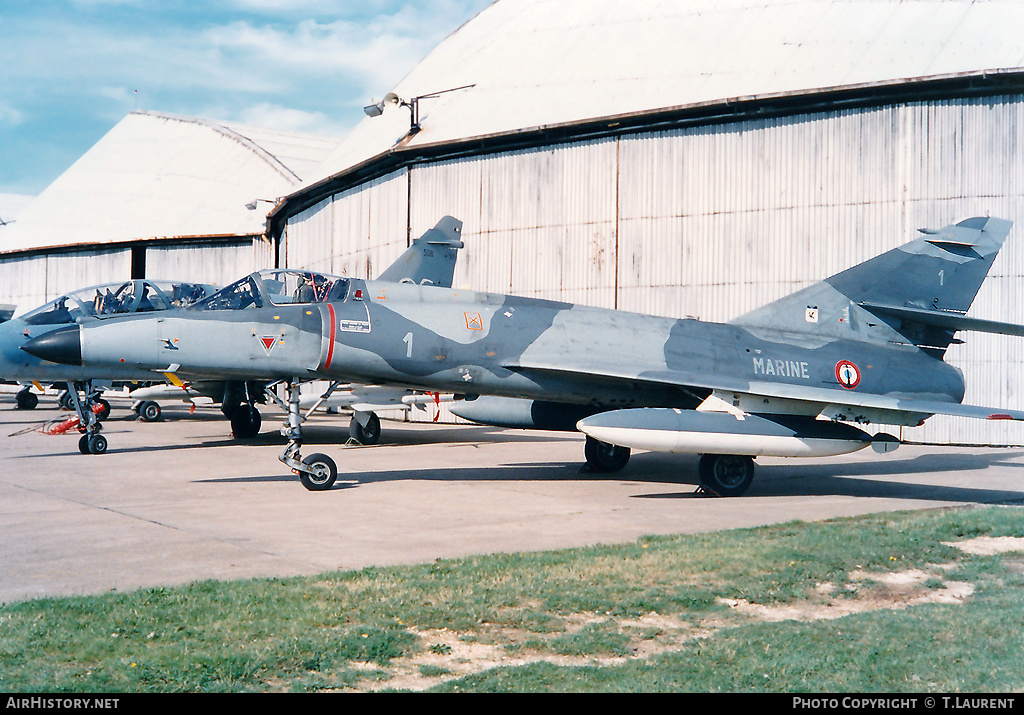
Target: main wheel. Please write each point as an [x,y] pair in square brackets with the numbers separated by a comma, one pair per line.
[104,412]
[246,422]
[149,411]
[727,475]
[370,434]
[322,475]
[26,400]
[604,457]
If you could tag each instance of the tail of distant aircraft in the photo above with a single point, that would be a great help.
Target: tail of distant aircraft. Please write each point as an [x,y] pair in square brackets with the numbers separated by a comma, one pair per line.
[918,293]
[431,257]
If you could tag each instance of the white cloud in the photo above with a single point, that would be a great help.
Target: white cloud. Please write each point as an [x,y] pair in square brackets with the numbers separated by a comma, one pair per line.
[122,95]
[275,116]
[10,115]
[306,65]
[372,55]
[371,50]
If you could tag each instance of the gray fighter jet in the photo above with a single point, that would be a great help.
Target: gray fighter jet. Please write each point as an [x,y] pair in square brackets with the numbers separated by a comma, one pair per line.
[430,260]
[128,297]
[793,378]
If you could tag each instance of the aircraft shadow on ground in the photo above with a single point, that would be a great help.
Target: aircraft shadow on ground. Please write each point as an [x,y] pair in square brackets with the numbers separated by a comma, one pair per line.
[774,480]
[333,436]
[839,477]
[338,436]
[870,478]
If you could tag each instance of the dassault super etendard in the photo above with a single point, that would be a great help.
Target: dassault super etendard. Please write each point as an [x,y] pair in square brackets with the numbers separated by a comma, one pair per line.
[793,378]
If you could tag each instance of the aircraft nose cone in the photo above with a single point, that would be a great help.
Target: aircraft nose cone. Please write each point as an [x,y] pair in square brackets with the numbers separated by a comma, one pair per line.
[63,345]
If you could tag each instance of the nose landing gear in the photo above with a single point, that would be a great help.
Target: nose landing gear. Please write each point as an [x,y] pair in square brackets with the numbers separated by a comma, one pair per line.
[317,472]
[89,416]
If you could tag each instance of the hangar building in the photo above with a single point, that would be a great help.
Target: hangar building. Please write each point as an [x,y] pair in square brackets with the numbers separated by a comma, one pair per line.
[693,158]
[159,196]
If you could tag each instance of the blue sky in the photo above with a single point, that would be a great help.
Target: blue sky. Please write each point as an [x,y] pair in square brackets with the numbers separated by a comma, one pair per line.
[72,69]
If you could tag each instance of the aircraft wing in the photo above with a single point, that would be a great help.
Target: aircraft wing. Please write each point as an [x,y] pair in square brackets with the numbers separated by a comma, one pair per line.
[885,403]
[832,402]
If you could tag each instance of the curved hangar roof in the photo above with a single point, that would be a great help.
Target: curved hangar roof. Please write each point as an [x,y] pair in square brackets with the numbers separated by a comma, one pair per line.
[549,63]
[159,176]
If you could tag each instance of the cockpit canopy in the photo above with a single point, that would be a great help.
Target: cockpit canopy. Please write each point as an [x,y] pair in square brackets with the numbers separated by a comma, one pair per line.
[135,296]
[277,287]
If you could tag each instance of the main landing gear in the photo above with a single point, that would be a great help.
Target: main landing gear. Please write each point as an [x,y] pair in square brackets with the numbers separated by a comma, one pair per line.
[96,404]
[317,472]
[148,410]
[365,428]
[238,405]
[604,457]
[726,475]
[26,399]
[245,421]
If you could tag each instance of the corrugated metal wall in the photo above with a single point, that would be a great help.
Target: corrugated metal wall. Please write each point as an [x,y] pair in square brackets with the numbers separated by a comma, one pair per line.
[714,221]
[31,281]
[218,263]
[24,282]
[357,233]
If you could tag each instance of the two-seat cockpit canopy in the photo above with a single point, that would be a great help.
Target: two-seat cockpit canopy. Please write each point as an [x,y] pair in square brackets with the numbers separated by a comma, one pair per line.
[277,287]
[134,296]
[268,287]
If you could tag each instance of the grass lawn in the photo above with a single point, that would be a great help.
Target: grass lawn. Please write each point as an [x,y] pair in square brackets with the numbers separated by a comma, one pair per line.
[884,603]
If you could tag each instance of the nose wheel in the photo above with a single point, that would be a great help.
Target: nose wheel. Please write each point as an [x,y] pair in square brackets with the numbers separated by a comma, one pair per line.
[92,444]
[321,472]
[89,415]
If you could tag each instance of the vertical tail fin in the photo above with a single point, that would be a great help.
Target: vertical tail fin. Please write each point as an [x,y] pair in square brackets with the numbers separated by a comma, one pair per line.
[431,257]
[912,294]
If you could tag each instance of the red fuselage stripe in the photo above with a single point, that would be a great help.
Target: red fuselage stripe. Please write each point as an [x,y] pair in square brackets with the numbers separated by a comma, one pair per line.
[330,345]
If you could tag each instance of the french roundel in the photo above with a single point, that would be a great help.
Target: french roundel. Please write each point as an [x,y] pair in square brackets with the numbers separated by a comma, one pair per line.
[848,374]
